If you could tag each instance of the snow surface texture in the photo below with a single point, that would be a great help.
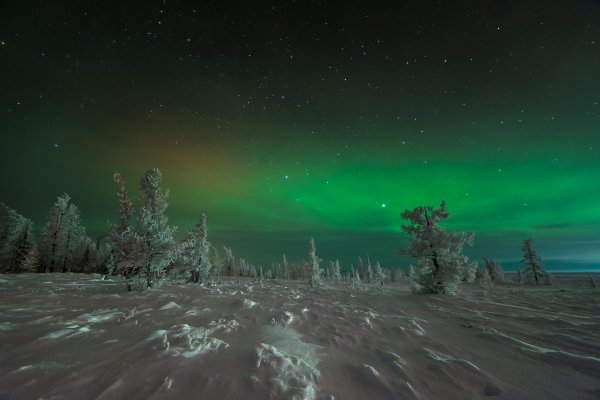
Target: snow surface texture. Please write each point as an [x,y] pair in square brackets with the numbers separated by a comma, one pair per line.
[66,336]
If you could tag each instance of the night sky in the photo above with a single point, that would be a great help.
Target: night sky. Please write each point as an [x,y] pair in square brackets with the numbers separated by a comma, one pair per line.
[288,120]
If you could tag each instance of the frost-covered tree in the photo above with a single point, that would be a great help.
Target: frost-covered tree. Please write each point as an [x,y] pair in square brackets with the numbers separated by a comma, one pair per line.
[360,268]
[380,274]
[51,240]
[20,247]
[534,270]
[202,264]
[440,264]
[484,278]
[216,265]
[285,268]
[355,279]
[261,275]
[89,259]
[120,234]
[75,239]
[153,238]
[494,269]
[369,274]
[15,239]
[313,264]
[193,256]
[244,269]
[337,273]
[32,260]
[9,222]
[63,238]
[229,262]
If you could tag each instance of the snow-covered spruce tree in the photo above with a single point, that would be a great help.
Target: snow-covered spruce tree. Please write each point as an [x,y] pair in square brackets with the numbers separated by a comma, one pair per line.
[277,271]
[88,263]
[314,269]
[9,222]
[285,268]
[15,239]
[229,267]
[32,260]
[485,279]
[200,261]
[337,273]
[63,237]
[215,266]
[7,218]
[20,247]
[243,269]
[75,239]
[360,268]
[51,240]
[192,257]
[120,235]
[380,274]
[261,276]
[534,270]
[153,239]
[369,274]
[440,264]
[494,269]
[355,279]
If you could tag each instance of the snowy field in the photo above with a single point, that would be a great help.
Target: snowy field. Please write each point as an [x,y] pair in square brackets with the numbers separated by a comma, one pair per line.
[66,336]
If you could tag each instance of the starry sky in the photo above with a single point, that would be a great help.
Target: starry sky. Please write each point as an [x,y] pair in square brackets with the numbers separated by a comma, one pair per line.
[289,119]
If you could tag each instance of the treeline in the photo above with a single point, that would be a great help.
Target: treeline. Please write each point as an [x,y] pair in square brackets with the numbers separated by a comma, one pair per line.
[141,246]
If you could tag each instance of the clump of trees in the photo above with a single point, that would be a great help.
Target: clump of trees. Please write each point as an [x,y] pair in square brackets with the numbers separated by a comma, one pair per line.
[63,245]
[440,263]
[141,246]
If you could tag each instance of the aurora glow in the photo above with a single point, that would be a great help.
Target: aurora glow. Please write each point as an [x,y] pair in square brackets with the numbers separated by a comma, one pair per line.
[302,120]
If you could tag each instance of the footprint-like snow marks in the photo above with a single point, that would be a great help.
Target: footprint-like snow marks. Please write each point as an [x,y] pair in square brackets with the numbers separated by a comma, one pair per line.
[70,331]
[589,365]
[289,363]
[186,341]
[82,323]
[445,358]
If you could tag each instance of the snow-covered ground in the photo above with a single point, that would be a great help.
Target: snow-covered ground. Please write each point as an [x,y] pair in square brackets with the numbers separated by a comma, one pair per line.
[66,336]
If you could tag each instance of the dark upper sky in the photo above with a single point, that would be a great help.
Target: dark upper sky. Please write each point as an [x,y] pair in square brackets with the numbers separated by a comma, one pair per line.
[287,120]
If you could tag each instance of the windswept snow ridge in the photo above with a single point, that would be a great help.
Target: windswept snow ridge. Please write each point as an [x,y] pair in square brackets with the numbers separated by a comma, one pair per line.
[67,336]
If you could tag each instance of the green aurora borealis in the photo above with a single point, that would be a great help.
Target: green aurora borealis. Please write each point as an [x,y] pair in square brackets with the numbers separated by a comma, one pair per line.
[301,120]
